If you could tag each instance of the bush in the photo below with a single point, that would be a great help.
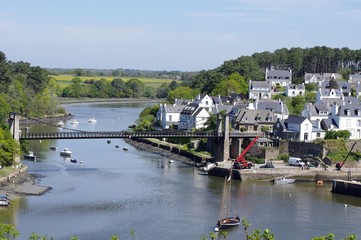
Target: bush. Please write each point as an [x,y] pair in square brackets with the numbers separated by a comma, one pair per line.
[284,157]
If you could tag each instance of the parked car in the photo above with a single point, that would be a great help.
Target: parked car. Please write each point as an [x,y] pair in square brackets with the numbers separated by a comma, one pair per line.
[295,161]
[267,165]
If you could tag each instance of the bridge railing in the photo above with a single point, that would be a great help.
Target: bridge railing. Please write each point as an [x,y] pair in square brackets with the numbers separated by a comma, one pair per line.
[136,134]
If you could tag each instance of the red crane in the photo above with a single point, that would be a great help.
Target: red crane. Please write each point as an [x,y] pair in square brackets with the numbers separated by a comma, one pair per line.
[241,162]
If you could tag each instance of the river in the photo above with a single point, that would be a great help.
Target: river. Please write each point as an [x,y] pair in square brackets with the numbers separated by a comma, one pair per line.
[140,195]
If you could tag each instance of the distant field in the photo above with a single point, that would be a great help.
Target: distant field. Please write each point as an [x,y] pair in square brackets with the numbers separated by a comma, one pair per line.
[65,80]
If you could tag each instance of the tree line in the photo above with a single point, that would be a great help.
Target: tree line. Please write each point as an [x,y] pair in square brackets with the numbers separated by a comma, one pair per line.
[308,60]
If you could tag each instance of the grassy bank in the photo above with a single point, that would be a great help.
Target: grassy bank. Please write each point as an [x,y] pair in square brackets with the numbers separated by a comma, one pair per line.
[65,80]
[110,100]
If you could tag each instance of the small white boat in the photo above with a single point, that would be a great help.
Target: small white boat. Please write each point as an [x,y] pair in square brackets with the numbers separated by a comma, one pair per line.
[73,160]
[30,156]
[60,124]
[125,148]
[73,121]
[65,152]
[92,120]
[171,161]
[283,180]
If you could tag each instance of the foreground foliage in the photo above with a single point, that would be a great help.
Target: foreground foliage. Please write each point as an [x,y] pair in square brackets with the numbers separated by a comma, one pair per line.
[9,232]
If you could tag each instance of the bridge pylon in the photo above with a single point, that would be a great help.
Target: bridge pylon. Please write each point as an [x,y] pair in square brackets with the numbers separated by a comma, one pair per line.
[14,126]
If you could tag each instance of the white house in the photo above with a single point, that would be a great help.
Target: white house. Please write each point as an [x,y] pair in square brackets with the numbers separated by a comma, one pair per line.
[296,128]
[347,117]
[259,90]
[204,101]
[278,77]
[168,115]
[313,78]
[277,106]
[293,90]
[193,116]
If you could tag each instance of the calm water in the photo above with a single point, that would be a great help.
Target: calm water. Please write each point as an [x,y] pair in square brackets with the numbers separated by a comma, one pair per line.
[116,191]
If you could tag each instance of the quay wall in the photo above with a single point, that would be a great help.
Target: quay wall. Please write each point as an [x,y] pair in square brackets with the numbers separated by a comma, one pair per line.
[347,187]
[169,149]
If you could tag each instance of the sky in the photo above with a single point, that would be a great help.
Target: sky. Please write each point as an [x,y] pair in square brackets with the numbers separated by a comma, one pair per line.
[184,35]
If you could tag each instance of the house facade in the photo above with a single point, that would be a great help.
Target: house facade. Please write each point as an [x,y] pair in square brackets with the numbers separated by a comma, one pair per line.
[168,115]
[347,117]
[278,77]
[254,120]
[294,90]
[278,107]
[193,117]
[295,128]
[259,90]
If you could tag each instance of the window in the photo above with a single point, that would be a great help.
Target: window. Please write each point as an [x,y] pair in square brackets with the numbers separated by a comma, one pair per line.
[348,123]
[207,103]
[170,118]
[306,126]
[359,123]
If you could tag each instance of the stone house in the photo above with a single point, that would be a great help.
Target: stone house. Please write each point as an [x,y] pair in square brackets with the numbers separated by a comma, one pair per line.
[254,120]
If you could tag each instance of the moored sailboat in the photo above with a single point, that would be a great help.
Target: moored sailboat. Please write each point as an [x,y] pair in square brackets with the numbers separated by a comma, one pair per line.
[226,221]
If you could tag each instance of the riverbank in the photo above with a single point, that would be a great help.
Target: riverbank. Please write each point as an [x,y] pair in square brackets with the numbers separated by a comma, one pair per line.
[281,169]
[20,182]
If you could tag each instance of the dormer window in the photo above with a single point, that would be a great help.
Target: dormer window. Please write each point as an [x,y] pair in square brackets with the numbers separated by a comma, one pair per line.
[359,112]
[348,112]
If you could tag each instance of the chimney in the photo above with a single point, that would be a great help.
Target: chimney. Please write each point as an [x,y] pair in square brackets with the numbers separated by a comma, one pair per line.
[334,109]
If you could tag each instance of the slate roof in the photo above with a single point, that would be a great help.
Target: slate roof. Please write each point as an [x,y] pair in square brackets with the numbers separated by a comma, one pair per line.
[328,122]
[188,110]
[174,109]
[345,86]
[182,101]
[260,85]
[296,86]
[273,105]
[295,119]
[278,74]
[354,111]
[247,116]
[308,76]
[327,92]
[219,108]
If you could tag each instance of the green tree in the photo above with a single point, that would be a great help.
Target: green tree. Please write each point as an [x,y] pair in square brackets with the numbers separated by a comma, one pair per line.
[9,148]
[298,104]
[235,83]
[136,86]
[8,232]
[163,90]
[120,89]
[182,92]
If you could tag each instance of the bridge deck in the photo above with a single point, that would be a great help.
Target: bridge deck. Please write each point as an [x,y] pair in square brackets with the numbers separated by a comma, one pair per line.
[126,134]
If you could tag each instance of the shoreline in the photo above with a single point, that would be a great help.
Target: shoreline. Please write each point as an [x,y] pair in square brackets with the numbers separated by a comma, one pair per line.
[262,174]
[22,183]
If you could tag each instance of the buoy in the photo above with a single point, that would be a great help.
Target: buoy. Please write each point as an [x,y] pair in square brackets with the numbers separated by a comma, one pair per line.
[216,229]
[319,182]
[345,205]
